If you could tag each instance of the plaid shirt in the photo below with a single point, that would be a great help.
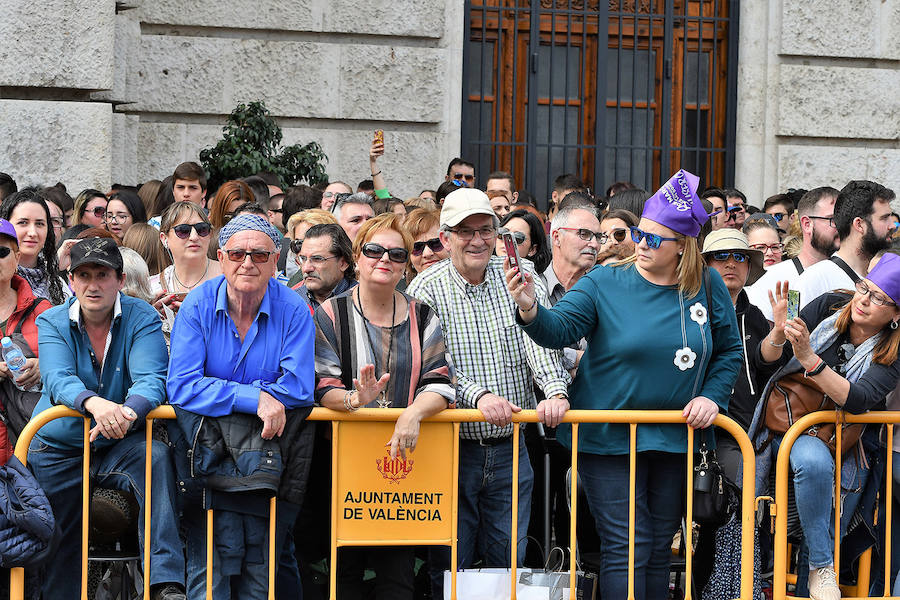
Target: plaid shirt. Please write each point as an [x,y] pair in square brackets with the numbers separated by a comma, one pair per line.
[487,349]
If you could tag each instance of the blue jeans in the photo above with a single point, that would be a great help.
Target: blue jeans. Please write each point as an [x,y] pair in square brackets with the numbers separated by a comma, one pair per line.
[813,468]
[120,466]
[485,509]
[659,501]
[253,583]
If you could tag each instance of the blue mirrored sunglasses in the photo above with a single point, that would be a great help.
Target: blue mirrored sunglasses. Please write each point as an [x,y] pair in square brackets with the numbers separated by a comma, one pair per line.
[653,240]
[724,254]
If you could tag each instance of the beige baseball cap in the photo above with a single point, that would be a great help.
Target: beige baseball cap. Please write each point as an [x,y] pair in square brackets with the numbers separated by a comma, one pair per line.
[462,203]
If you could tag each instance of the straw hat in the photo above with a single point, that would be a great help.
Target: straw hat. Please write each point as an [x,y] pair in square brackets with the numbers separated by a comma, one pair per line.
[734,240]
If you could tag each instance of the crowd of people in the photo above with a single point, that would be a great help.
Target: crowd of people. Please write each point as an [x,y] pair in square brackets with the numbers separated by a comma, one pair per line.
[247,305]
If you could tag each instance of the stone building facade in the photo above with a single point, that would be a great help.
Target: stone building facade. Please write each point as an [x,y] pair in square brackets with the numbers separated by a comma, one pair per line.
[94,92]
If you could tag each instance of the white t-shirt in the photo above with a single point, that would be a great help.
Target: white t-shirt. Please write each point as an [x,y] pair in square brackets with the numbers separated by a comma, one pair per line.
[758,293]
[822,277]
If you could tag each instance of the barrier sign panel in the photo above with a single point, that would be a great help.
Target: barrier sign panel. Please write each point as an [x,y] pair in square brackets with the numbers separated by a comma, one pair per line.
[400,499]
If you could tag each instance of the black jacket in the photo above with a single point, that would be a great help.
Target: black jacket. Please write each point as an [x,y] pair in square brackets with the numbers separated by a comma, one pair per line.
[753,328]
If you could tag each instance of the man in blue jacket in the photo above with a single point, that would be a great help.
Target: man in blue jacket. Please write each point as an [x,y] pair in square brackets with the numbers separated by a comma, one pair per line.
[241,377]
[103,354]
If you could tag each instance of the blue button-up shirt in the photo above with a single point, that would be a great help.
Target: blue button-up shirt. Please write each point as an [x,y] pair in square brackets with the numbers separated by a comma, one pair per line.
[213,373]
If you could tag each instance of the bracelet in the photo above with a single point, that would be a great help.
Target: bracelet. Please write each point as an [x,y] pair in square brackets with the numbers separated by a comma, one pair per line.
[347,404]
[777,345]
[376,174]
[528,310]
[820,366]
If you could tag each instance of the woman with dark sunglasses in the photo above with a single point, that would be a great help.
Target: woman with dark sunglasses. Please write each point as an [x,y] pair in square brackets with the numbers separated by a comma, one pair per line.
[422,225]
[530,238]
[90,208]
[616,243]
[398,361]
[661,336]
[847,346]
[185,234]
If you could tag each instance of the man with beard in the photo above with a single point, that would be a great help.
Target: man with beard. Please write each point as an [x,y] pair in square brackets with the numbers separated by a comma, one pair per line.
[820,240]
[862,217]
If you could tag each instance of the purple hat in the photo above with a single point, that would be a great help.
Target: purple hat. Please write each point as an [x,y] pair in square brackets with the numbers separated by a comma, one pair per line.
[676,205]
[886,275]
[7,229]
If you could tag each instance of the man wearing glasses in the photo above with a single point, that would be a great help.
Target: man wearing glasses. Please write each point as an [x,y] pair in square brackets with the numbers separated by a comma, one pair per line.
[496,367]
[241,377]
[325,257]
[815,212]
[863,220]
[737,208]
[461,170]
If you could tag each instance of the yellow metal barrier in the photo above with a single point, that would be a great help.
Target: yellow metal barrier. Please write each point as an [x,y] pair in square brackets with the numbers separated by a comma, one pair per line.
[454,417]
[782,480]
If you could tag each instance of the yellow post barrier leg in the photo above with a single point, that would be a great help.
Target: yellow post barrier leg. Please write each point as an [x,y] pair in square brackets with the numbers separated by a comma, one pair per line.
[209,554]
[455,510]
[632,475]
[514,537]
[85,506]
[148,477]
[689,519]
[332,571]
[272,555]
[888,494]
[837,498]
[573,516]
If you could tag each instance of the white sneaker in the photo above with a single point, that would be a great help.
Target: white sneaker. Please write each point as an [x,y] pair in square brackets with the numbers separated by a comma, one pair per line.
[823,584]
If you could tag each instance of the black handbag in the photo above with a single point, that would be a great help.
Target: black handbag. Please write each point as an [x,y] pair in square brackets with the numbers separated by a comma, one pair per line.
[713,491]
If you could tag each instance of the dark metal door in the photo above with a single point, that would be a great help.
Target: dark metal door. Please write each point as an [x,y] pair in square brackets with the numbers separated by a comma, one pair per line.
[611,90]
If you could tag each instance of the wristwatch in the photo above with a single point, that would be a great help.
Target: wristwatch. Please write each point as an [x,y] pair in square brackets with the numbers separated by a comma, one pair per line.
[818,369]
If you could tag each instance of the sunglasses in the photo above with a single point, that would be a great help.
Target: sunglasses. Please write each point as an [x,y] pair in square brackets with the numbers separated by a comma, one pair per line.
[724,255]
[296,245]
[653,240]
[98,211]
[434,244]
[257,256]
[5,251]
[517,235]
[376,251]
[778,216]
[617,234]
[183,231]
[338,199]
[460,176]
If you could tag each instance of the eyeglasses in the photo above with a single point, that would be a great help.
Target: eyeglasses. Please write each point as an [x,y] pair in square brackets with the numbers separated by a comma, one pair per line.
[585,235]
[183,231]
[874,297]
[5,251]
[466,234]
[517,235]
[830,220]
[257,256]
[315,259]
[296,245]
[653,240]
[768,247]
[724,255]
[376,251]
[277,210]
[618,234]
[117,217]
[58,221]
[460,177]
[434,244]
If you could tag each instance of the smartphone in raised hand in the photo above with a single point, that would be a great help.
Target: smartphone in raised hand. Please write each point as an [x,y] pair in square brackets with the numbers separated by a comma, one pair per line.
[379,136]
[512,248]
[793,307]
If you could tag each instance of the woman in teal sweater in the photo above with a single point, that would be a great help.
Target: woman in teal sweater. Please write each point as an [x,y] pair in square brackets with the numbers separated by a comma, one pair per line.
[654,343]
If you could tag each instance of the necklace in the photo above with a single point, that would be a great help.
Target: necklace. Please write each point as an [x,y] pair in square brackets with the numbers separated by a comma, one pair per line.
[190,287]
[382,399]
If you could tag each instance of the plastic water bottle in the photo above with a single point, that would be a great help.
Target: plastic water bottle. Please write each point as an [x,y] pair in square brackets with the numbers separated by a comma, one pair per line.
[15,361]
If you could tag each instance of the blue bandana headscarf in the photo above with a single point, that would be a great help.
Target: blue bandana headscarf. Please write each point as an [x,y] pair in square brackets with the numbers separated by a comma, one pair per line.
[246,221]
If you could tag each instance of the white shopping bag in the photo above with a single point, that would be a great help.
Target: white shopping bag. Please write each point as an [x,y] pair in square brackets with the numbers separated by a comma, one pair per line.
[494,584]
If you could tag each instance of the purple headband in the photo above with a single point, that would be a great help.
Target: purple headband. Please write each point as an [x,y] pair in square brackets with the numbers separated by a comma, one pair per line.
[886,275]
[676,205]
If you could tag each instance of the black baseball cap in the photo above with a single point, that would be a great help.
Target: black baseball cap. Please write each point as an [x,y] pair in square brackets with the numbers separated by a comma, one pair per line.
[96,251]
